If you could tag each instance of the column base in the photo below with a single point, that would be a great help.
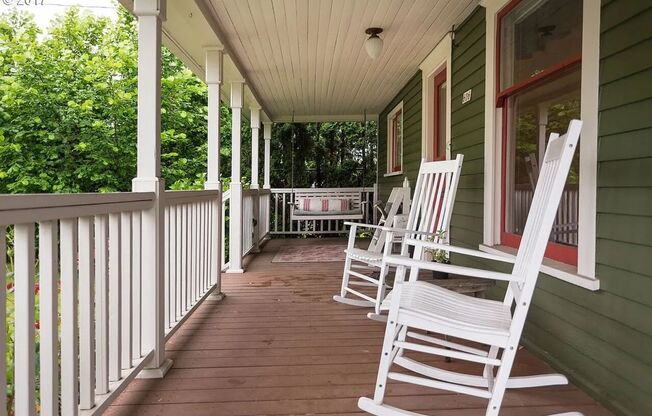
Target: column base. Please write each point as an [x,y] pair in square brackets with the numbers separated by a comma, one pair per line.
[159,372]
[234,271]
[217,296]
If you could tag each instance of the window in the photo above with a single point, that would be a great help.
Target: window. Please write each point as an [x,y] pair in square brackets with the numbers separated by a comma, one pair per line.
[395,140]
[538,84]
[439,116]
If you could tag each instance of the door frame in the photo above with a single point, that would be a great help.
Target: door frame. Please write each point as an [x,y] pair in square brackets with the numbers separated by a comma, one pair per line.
[439,60]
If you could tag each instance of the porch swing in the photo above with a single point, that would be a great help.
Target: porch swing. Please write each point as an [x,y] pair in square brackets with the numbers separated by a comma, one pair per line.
[326,203]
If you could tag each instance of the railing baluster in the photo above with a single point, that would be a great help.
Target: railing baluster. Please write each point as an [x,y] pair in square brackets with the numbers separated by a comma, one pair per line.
[223,233]
[179,261]
[172,295]
[193,254]
[3,321]
[49,330]
[25,347]
[101,306]
[86,308]
[126,261]
[115,297]
[136,285]
[185,259]
[202,246]
[166,268]
[69,331]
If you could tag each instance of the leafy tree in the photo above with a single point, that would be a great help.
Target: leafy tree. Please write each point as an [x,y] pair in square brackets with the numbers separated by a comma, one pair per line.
[69,108]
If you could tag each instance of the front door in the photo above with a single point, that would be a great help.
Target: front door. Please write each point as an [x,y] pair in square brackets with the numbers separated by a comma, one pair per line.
[439,116]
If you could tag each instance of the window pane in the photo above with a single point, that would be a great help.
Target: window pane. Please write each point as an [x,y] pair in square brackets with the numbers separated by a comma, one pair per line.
[395,140]
[441,121]
[538,34]
[533,115]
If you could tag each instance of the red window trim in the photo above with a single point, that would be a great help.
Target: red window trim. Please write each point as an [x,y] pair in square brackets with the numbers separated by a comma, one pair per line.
[555,251]
[438,80]
[394,162]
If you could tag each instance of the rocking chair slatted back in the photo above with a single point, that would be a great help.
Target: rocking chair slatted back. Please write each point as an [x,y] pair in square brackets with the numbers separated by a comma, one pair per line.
[433,199]
[547,195]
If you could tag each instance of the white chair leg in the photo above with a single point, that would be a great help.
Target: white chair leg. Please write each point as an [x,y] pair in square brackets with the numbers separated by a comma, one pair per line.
[345,276]
[500,381]
[380,293]
[386,358]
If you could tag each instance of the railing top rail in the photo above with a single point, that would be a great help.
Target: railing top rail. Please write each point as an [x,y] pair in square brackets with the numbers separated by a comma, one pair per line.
[319,190]
[18,209]
[249,192]
[179,197]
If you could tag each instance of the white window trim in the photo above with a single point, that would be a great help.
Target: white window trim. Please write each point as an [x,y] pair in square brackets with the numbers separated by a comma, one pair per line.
[431,66]
[390,116]
[588,150]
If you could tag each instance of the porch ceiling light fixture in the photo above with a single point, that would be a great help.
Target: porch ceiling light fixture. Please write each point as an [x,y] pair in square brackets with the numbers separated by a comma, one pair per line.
[374,44]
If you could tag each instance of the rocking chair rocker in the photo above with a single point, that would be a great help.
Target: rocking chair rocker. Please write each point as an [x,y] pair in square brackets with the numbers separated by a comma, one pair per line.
[417,305]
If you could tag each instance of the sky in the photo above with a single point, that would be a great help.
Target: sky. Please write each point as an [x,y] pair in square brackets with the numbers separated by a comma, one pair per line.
[46,11]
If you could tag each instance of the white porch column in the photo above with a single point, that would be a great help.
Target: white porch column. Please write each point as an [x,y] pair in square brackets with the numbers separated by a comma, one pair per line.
[255,132]
[150,15]
[267,135]
[235,210]
[214,65]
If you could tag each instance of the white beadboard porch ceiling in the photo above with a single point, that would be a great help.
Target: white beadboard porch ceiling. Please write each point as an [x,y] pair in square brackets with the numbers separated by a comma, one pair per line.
[308,56]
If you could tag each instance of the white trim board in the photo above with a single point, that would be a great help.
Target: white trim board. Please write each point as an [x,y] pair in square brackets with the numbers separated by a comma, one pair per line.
[588,142]
[390,115]
[439,57]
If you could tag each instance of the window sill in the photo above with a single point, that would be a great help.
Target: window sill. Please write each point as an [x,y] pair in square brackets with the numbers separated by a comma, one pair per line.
[553,268]
[400,172]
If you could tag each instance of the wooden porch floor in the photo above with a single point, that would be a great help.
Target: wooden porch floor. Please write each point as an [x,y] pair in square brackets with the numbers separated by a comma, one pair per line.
[278,345]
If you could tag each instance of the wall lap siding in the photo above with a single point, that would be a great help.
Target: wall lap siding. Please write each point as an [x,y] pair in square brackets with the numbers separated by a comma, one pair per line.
[411,97]
[602,340]
[467,128]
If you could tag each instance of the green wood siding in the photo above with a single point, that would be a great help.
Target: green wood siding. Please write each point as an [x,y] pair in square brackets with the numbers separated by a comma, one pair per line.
[602,340]
[467,128]
[411,97]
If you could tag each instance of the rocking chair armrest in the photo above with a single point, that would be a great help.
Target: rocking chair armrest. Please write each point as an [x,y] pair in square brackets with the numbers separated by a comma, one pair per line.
[390,229]
[461,250]
[363,225]
[396,260]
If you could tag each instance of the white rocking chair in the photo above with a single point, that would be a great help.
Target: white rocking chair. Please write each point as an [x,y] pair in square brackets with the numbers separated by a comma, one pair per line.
[430,214]
[416,305]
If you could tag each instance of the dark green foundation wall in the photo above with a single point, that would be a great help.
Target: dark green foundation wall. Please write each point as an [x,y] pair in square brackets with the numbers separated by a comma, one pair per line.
[601,340]
[411,97]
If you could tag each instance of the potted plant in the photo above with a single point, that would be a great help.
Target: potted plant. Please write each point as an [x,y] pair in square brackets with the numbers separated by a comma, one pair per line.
[437,255]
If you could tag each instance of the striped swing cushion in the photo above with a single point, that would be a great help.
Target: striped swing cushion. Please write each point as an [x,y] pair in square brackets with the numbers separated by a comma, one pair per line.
[324,204]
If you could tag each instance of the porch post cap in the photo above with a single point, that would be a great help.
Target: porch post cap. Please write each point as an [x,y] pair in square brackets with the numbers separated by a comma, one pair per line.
[151,8]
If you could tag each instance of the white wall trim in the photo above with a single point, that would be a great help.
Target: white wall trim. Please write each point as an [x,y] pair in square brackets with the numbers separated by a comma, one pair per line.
[390,115]
[552,268]
[431,66]
[589,142]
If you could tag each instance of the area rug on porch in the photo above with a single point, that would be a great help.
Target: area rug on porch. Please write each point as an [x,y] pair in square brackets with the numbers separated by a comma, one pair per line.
[310,254]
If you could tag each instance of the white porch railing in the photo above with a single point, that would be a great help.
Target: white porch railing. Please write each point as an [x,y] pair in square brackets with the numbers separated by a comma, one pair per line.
[189,251]
[281,224]
[77,262]
[255,221]
[90,245]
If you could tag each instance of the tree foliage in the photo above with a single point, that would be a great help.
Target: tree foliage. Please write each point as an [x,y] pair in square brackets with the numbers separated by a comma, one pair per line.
[69,108]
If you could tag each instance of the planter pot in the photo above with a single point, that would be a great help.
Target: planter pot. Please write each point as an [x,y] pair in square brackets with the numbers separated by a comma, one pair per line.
[439,275]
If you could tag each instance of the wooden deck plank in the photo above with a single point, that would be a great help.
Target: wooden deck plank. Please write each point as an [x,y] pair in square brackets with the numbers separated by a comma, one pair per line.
[278,345]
